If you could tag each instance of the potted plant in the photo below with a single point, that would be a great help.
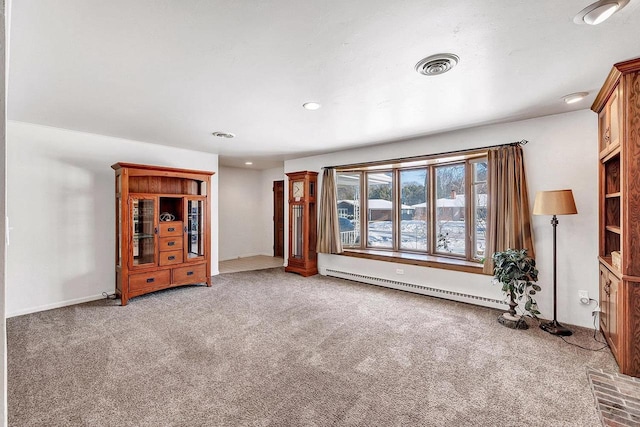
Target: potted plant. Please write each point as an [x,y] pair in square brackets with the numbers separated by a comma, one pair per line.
[516,272]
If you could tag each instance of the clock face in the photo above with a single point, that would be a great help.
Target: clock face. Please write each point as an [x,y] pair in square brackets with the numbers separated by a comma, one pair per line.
[298,189]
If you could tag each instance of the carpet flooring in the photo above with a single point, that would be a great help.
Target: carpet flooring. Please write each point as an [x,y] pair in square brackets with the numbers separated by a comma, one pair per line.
[267,348]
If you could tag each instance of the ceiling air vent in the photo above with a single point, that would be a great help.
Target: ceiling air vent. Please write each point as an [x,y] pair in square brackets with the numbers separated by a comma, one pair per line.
[228,135]
[437,64]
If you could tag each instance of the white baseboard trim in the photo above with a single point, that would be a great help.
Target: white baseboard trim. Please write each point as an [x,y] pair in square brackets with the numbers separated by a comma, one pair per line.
[54,305]
[418,289]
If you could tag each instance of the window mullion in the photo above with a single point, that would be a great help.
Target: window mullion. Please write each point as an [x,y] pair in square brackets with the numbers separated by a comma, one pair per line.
[364,211]
[396,209]
[432,211]
[469,206]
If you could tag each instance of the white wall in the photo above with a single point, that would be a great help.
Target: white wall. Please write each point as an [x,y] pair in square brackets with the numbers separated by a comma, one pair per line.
[5,22]
[246,211]
[60,199]
[562,153]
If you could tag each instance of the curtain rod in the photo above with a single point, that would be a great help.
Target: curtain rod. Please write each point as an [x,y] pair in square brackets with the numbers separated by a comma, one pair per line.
[404,159]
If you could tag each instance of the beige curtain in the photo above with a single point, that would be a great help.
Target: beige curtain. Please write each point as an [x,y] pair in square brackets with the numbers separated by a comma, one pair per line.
[508,216]
[328,225]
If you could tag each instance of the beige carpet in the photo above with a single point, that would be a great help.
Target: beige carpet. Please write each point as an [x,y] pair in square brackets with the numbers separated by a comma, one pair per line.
[267,348]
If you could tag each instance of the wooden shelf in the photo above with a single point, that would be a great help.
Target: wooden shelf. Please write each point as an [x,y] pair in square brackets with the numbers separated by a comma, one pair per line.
[609,153]
[152,254]
[619,202]
[606,260]
[613,229]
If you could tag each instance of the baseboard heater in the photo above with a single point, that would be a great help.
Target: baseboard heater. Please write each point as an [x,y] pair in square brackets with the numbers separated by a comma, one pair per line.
[418,289]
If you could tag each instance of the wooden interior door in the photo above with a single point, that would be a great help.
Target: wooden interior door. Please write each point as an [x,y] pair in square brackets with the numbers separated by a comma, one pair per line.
[278,218]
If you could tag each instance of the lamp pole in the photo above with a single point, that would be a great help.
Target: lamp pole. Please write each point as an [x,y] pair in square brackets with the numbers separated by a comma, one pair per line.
[554,327]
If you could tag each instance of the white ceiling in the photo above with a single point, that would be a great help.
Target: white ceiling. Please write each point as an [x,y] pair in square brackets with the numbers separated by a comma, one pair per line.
[173,72]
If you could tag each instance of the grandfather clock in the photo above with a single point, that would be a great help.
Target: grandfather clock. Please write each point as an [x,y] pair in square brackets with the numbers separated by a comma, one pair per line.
[302,223]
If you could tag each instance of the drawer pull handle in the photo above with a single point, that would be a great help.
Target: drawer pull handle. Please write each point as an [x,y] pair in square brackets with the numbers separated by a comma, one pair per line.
[171,229]
[189,273]
[172,257]
[150,280]
[171,244]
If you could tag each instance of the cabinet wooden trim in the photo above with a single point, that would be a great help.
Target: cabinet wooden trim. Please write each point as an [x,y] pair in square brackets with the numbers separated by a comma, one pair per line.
[151,280]
[166,254]
[618,108]
[173,228]
[189,274]
[149,170]
[171,243]
[171,257]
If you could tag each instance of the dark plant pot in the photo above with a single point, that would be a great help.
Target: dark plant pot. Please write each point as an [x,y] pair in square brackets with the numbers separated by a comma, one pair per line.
[517,322]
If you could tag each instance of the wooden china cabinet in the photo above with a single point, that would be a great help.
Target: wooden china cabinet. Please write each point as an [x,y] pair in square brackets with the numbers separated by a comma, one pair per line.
[162,228]
[302,223]
[618,109]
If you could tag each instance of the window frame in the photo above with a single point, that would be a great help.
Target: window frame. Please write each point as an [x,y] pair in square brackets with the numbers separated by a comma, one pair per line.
[467,261]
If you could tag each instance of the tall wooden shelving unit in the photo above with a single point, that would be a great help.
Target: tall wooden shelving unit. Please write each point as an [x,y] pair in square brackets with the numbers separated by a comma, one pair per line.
[618,109]
[162,228]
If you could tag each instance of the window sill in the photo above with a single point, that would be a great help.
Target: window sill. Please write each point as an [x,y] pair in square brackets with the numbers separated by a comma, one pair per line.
[422,260]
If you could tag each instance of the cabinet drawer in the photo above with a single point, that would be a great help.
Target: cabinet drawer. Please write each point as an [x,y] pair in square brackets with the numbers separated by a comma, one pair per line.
[170,243]
[149,280]
[191,274]
[171,228]
[171,257]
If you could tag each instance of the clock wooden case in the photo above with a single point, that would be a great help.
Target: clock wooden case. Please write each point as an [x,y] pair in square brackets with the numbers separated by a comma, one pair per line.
[302,223]
[162,228]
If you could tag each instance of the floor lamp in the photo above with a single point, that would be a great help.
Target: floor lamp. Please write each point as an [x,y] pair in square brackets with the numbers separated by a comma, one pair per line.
[556,202]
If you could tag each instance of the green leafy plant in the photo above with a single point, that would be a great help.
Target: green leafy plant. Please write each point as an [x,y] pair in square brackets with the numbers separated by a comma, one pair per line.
[516,272]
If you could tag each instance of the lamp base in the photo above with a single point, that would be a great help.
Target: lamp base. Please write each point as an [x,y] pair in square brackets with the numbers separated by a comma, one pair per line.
[555,328]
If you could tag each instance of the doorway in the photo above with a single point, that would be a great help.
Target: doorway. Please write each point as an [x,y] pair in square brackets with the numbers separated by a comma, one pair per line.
[278,219]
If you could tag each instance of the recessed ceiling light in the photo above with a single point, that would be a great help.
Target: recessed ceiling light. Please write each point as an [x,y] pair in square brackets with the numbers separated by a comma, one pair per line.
[437,64]
[248,163]
[599,11]
[311,105]
[227,135]
[574,97]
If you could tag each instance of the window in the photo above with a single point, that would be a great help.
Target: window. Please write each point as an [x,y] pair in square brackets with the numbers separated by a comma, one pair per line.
[435,206]
[450,209]
[380,210]
[413,202]
[349,185]
[479,189]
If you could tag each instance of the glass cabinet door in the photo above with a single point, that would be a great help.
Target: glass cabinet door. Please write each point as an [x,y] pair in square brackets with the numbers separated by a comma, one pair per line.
[143,224]
[195,229]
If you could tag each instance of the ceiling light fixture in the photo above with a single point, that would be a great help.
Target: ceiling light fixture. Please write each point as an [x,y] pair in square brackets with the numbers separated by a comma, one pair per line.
[437,64]
[227,135]
[248,163]
[311,105]
[599,11]
[574,97]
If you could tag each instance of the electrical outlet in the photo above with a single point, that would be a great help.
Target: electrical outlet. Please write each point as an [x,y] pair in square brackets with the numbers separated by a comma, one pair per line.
[399,271]
[584,297]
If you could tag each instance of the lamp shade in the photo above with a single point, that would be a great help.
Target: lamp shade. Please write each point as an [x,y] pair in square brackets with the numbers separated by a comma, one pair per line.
[555,202]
